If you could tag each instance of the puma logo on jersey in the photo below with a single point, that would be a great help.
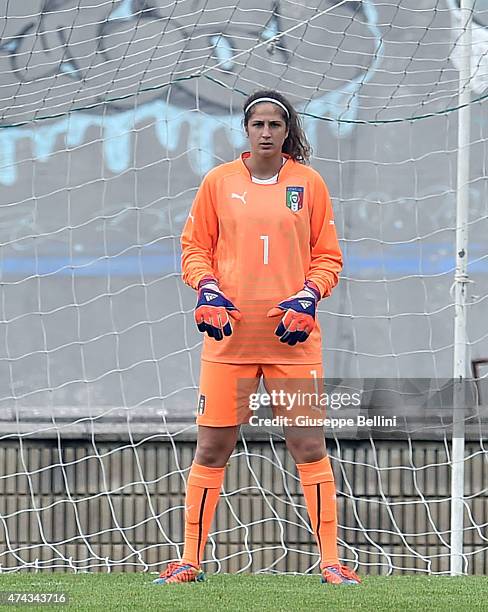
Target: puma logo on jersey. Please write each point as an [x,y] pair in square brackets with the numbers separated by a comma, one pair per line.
[209,296]
[304,304]
[238,196]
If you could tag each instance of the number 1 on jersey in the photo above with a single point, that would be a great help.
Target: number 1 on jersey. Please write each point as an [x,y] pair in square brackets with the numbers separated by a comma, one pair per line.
[265,240]
[315,381]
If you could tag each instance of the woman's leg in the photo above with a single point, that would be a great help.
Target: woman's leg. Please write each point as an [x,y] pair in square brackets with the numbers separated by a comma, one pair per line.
[223,404]
[303,382]
[214,447]
[307,446]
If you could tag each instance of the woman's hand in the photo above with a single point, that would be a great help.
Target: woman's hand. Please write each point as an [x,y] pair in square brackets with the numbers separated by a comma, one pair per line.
[212,311]
[299,318]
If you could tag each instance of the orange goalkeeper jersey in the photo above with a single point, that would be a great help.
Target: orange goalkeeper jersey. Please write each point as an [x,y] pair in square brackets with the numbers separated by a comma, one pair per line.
[261,242]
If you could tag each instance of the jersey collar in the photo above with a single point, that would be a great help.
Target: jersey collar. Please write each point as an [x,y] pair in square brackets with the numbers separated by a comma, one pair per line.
[283,171]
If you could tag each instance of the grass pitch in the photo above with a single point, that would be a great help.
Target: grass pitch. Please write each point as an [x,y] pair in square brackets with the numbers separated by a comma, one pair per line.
[241,593]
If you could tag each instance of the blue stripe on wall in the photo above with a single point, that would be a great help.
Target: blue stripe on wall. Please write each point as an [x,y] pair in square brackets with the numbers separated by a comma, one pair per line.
[396,260]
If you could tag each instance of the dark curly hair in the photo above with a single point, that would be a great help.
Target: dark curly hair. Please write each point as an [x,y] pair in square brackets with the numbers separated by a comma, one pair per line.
[296,144]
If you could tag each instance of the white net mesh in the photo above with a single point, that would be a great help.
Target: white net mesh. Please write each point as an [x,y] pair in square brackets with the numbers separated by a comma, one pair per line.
[111,113]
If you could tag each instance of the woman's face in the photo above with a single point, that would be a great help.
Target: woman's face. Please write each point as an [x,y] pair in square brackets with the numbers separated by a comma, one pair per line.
[266,130]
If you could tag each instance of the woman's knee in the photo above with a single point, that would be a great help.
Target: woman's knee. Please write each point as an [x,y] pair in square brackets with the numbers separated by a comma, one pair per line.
[306,449]
[215,445]
[210,456]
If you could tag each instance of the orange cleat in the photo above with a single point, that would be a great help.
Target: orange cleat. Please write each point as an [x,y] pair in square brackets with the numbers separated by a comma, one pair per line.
[180,572]
[339,574]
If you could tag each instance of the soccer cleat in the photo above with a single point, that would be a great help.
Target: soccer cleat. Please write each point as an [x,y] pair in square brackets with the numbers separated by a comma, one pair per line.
[339,574]
[180,572]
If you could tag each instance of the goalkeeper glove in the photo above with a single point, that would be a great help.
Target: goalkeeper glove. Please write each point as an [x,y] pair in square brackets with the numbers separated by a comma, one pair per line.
[299,318]
[213,309]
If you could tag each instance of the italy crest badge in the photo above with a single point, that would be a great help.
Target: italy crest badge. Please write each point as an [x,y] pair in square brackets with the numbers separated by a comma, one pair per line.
[294,198]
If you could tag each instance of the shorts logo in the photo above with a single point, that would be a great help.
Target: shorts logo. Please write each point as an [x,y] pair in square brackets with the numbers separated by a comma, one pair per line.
[201,404]
[294,198]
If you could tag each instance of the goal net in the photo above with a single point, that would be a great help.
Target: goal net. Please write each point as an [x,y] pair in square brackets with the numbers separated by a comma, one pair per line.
[111,112]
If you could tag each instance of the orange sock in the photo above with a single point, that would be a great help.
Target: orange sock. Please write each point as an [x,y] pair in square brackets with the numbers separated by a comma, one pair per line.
[319,490]
[202,495]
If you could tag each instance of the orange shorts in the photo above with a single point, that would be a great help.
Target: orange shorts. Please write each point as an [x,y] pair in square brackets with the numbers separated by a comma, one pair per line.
[228,391]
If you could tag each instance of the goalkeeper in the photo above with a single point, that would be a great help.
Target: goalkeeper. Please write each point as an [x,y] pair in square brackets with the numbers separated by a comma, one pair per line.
[261,249]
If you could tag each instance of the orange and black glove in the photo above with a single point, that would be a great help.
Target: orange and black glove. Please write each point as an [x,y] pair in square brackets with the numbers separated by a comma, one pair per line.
[298,321]
[214,310]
